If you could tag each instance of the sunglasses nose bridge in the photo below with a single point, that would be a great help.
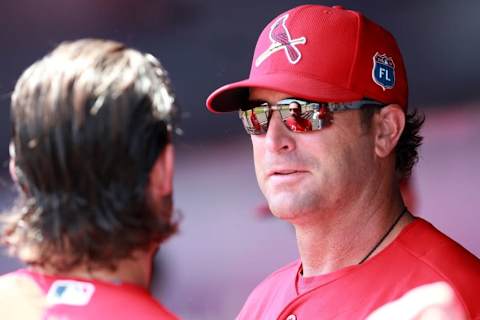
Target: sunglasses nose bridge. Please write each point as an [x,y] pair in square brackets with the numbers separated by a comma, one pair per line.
[275,120]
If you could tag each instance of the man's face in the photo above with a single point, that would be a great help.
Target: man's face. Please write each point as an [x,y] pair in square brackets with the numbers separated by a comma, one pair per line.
[304,174]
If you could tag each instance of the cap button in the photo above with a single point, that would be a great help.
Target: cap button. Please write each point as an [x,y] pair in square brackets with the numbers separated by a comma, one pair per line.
[338,7]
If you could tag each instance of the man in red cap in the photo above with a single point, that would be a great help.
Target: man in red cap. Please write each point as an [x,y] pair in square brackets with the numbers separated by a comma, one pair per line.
[333,169]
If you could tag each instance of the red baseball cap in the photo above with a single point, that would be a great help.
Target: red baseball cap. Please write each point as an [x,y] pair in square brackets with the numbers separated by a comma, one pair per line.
[326,54]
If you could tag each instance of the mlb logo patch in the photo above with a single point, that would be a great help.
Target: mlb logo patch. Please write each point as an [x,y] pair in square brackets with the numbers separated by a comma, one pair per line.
[383,71]
[70,292]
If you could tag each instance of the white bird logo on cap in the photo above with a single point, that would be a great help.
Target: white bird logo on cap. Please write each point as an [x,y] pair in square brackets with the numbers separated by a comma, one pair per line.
[281,39]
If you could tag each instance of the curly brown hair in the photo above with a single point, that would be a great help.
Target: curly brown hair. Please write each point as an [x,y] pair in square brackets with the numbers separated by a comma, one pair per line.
[89,121]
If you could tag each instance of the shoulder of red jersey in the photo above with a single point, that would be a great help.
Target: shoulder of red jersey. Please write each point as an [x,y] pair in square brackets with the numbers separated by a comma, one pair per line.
[448,260]
[438,251]
[77,298]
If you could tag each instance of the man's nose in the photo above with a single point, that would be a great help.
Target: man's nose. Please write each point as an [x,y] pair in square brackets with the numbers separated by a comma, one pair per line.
[278,137]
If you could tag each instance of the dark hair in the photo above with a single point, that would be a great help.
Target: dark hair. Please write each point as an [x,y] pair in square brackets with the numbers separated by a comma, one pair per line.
[89,121]
[406,151]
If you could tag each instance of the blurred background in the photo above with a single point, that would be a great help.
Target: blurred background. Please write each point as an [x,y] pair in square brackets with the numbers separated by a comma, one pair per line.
[227,242]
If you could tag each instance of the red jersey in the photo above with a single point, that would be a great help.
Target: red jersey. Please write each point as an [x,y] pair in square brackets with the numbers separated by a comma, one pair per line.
[52,297]
[419,255]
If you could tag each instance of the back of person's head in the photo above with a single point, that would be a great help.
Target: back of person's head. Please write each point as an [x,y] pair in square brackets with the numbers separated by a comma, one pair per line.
[89,121]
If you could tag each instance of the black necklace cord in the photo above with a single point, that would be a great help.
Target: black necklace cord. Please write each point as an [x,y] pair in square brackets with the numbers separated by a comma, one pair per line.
[405,210]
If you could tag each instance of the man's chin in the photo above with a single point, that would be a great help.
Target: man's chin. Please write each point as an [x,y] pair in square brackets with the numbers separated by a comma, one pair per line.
[282,210]
[292,207]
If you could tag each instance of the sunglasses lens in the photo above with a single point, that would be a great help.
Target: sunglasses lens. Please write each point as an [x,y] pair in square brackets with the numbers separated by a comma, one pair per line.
[297,119]
[255,121]
[297,115]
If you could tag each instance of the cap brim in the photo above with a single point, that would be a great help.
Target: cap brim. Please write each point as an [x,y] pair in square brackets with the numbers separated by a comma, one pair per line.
[233,96]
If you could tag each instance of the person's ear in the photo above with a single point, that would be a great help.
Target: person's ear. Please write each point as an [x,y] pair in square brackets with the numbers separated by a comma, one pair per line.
[12,169]
[389,125]
[161,176]
[15,172]
[11,163]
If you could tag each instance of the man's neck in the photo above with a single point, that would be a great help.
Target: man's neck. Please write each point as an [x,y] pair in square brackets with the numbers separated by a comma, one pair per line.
[136,270]
[346,236]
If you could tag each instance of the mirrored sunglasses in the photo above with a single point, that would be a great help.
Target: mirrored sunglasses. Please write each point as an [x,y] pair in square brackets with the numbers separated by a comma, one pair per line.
[297,115]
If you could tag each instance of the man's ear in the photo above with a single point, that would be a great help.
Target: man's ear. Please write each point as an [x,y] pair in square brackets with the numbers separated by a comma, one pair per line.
[161,176]
[11,163]
[12,169]
[15,172]
[389,125]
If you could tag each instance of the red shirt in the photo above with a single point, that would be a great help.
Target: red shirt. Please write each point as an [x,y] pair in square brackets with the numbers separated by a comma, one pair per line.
[419,255]
[75,299]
